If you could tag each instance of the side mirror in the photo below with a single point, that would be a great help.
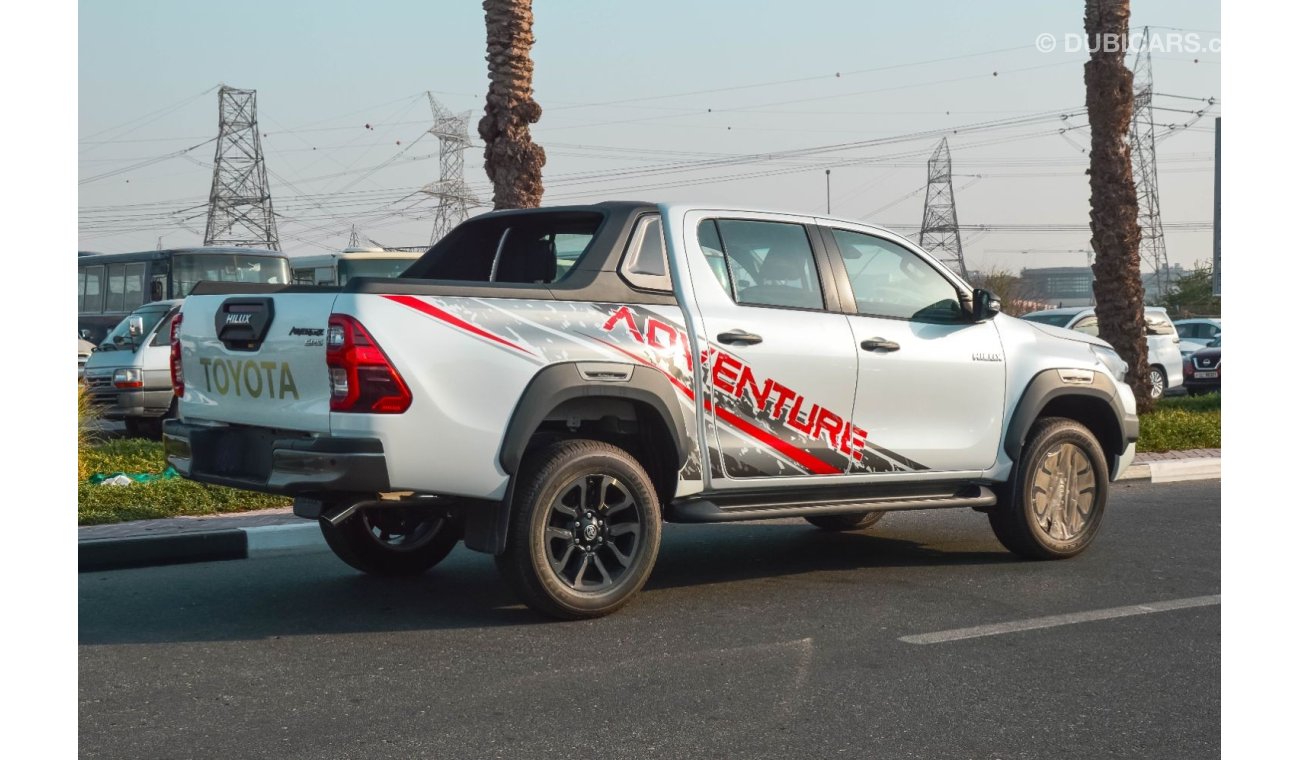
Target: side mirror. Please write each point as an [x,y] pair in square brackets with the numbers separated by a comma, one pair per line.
[985,305]
[85,334]
[135,328]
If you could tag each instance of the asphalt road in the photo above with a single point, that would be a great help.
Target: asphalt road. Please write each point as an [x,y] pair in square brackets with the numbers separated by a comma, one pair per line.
[751,640]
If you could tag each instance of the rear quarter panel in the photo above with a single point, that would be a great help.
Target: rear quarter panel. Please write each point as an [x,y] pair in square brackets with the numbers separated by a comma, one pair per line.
[467,362]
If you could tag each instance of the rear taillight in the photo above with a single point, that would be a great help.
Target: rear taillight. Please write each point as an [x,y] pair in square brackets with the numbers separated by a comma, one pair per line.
[178,376]
[361,377]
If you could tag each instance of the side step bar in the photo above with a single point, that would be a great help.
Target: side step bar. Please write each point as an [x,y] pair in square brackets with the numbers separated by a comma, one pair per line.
[710,511]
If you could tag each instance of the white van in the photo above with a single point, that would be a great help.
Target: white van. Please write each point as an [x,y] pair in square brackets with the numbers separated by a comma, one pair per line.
[129,373]
[338,268]
[1163,354]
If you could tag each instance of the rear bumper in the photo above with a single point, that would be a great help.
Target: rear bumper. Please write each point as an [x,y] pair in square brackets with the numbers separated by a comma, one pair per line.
[275,461]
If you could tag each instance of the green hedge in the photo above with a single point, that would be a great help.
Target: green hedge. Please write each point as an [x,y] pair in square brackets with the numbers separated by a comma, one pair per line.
[164,498]
[1183,422]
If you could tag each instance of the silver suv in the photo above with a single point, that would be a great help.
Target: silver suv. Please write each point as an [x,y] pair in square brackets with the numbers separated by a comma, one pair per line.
[1164,359]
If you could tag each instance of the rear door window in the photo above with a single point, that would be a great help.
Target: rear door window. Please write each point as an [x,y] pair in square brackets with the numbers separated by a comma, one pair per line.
[769,264]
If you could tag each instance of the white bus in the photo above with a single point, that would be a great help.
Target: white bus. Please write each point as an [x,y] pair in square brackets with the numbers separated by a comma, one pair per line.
[338,268]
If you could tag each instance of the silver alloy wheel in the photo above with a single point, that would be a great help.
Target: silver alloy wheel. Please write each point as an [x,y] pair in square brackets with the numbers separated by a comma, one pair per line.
[401,532]
[1063,492]
[593,532]
[1157,383]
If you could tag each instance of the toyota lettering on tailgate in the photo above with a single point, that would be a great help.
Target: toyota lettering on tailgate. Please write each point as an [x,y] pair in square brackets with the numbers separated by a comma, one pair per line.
[248,377]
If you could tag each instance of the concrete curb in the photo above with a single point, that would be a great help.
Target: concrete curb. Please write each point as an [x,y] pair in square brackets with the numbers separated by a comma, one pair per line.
[1174,470]
[212,546]
[271,540]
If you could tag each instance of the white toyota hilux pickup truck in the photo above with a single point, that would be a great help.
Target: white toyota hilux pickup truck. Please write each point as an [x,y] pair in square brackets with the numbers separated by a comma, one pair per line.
[550,385]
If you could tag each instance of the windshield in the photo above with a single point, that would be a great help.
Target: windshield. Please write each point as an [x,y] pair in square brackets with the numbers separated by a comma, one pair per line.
[349,268]
[1056,320]
[120,337]
[188,271]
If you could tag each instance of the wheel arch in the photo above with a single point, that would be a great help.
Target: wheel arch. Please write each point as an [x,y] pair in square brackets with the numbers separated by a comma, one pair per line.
[589,390]
[1096,406]
[603,396]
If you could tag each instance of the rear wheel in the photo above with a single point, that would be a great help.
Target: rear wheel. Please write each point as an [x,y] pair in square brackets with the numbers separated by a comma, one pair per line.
[1159,383]
[393,541]
[1051,507]
[584,530]
[845,522]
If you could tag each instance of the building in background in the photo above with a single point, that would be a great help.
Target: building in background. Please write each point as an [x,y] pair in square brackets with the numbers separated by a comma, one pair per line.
[1059,286]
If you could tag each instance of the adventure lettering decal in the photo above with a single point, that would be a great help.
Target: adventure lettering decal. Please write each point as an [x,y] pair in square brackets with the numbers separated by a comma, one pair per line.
[734,381]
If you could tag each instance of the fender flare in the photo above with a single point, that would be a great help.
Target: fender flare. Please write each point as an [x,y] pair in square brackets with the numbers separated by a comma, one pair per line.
[559,383]
[1048,386]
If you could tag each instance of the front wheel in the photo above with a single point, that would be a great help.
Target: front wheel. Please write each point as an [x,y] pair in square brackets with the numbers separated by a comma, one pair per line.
[584,530]
[1051,507]
[393,541]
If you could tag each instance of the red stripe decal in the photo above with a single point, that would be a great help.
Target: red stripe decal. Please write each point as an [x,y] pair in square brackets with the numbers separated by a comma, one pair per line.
[805,459]
[453,320]
[792,452]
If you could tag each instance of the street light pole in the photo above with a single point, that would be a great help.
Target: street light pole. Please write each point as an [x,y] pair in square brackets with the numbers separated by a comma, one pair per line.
[828,192]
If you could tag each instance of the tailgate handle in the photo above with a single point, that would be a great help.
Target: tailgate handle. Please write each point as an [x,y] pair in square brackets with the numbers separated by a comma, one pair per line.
[242,323]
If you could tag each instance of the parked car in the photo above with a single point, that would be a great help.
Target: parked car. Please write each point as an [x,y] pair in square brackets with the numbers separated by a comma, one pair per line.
[551,384]
[129,376]
[1202,370]
[1196,333]
[1164,359]
[84,349]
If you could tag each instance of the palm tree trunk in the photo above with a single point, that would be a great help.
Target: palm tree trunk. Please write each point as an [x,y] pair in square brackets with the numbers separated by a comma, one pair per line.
[513,162]
[1115,232]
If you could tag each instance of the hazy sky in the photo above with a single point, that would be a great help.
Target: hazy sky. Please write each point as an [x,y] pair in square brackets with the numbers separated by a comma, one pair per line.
[656,101]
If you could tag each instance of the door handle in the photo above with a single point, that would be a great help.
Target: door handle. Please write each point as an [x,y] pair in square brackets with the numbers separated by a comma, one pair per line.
[879,344]
[739,338]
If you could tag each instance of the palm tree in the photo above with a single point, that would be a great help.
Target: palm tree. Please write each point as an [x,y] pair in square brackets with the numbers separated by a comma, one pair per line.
[513,162]
[1115,232]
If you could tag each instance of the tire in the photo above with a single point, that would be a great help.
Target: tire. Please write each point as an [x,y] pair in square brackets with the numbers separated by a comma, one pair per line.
[1063,457]
[584,530]
[393,541]
[1159,383]
[837,523]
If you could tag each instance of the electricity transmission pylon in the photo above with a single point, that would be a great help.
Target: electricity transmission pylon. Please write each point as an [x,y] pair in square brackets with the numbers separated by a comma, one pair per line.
[940,233]
[454,196]
[1142,144]
[239,207]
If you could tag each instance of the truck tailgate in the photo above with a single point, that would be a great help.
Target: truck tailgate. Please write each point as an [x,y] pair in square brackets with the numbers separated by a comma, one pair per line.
[257,360]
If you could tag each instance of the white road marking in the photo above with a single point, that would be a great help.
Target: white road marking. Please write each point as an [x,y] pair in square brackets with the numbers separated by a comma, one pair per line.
[1051,621]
